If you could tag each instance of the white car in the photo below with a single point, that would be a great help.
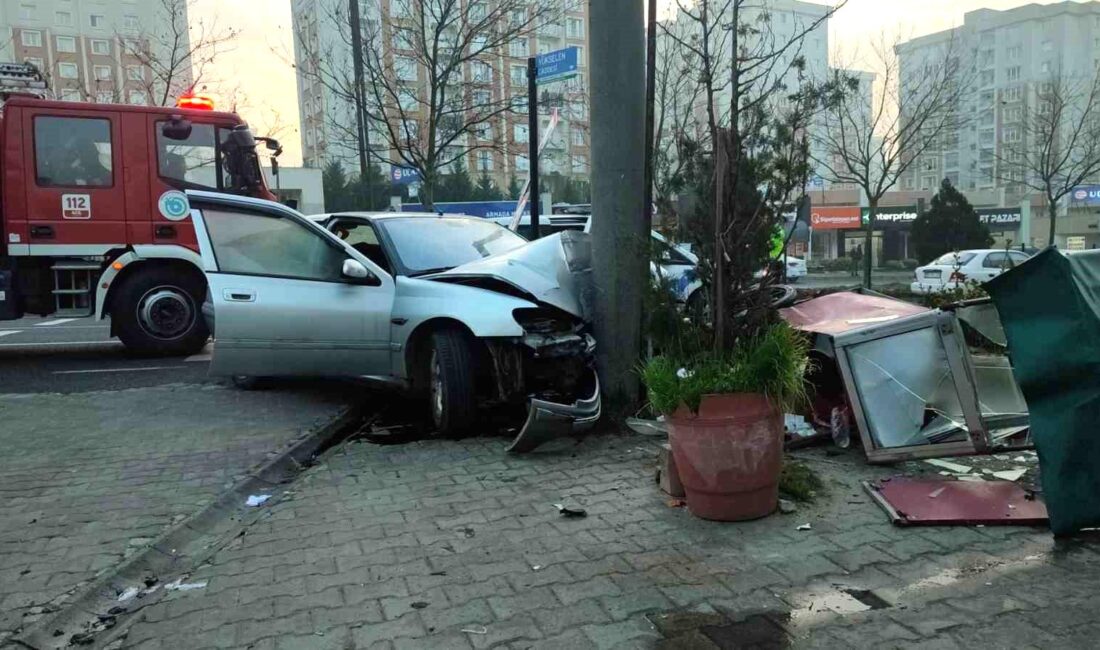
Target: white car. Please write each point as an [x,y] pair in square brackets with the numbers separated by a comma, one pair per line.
[796,268]
[954,270]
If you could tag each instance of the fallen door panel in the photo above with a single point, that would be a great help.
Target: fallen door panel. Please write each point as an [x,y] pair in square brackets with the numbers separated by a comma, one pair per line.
[937,502]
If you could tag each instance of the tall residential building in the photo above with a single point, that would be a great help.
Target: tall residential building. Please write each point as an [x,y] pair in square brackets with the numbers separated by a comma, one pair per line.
[85,48]
[1007,56]
[324,63]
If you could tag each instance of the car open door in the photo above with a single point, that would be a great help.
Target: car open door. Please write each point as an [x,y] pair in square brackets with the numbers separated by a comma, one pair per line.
[284,297]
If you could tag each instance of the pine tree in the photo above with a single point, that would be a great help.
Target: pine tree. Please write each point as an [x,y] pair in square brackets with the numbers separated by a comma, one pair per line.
[950,224]
[514,188]
[487,190]
[334,180]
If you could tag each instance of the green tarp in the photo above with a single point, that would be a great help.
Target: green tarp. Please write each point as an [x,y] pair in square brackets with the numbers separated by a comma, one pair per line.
[1050,309]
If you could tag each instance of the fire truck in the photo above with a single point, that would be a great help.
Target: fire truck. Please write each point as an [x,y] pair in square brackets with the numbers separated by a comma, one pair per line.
[92,212]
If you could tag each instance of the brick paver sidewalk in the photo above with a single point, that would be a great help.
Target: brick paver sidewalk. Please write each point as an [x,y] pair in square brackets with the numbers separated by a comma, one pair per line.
[444,544]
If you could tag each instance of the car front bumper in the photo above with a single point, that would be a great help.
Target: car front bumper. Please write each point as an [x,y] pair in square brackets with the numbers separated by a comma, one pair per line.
[550,420]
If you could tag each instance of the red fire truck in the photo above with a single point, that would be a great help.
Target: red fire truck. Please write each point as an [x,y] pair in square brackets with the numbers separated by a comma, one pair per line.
[92,215]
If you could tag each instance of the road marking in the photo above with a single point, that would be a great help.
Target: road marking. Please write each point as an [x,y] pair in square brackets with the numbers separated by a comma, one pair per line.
[100,370]
[6,332]
[56,343]
[199,357]
[55,322]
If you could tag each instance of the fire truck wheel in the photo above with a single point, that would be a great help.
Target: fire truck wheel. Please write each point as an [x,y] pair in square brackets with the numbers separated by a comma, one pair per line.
[157,311]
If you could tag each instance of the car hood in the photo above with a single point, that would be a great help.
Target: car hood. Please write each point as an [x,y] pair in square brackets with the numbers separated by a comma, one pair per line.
[554,270]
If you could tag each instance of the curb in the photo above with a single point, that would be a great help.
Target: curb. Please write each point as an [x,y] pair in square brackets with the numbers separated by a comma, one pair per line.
[95,613]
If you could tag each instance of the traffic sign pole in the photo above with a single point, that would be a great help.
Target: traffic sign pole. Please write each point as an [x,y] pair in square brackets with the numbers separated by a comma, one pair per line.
[533,141]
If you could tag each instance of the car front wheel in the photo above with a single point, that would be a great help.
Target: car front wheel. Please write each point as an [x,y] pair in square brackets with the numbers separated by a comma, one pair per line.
[452,400]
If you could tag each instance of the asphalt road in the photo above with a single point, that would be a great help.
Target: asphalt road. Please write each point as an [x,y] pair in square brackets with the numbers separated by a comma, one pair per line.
[74,355]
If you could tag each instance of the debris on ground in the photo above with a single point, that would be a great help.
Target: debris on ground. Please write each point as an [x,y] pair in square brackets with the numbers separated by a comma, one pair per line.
[573,513]
[949,466]
[910,501]
[179,585]
[476,629]
[804,527]
[668,477]
[655,428]
[256,500]
[676,503]
[128,594]
[787,507]
[1011,475]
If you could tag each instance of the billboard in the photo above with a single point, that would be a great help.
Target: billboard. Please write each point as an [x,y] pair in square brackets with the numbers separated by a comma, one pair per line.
[844,217]
[1001,218]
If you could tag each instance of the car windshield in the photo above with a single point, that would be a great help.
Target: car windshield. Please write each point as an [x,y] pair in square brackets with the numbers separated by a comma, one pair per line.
[950,259]
[426,244]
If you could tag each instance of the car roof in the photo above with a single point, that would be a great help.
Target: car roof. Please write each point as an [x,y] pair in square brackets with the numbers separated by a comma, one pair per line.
[374,216]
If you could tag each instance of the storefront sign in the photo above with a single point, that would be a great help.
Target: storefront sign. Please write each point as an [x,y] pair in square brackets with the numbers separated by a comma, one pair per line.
[1000,218]
[1085,195]
[835,218]
[1075,243]
[893,217]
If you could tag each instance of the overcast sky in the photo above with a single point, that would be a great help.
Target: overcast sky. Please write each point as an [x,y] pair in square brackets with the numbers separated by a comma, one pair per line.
[262,81]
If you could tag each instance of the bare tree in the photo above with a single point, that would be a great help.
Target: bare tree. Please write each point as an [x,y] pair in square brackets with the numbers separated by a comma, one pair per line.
[872,144]
[176,54]
[1056,145]
[433,79]
[676,94]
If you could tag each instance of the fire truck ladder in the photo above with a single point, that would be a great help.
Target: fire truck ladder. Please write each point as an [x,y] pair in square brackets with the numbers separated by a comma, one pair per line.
[21,79]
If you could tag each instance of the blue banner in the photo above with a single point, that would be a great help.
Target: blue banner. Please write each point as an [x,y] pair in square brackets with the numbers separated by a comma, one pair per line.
[1085,195]
[401,175]
[491,209]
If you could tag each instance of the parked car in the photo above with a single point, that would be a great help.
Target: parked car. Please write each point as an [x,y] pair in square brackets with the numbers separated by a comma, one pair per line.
[455,308]
[954,270]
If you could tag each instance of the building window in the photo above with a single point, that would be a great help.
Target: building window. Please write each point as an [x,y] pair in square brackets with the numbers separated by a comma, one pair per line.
[1011,134]
[478,11]
[484,131]
[481,71]
[405,69]
[36,62]
[1013,73]
[101,47]
[574,28]
[518,17]
[578,137]
[102,72]
[66,44]
[138,98]
[1014,53]
[130,22]
[63,18]
[72,151]
[135,73]
[1045,67]
[479,42]
[522,164]
[105,97]
[581,61]
[96,20]
[481,98]
[485,161]
[519,133]
[518,48]
[1013,114]
[26,12]
[518,75]
[67,71]
[1012,94]
[519,104]
[31,38]
[987,78]
[406,98]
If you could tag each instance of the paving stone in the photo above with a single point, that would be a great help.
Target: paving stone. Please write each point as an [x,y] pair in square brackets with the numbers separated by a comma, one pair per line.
[633,631]
[592,588]
[635,602]
[556,620]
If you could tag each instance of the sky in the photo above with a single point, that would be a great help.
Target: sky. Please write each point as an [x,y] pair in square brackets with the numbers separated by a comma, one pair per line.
[257,77]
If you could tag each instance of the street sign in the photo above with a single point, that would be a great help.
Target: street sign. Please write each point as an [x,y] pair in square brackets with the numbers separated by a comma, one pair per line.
[556,65]
[401,175]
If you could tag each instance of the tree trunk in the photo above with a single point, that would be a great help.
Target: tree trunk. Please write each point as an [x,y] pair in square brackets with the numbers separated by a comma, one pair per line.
[620,241]
[868,243]
[1052,210]
[427,191]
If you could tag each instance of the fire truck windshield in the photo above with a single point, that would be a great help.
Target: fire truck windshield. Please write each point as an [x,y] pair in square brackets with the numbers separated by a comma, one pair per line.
[210,158]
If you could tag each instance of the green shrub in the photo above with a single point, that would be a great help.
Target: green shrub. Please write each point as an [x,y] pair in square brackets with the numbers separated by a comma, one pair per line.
[910,263]
[894,265]
[773,363]
[837,264]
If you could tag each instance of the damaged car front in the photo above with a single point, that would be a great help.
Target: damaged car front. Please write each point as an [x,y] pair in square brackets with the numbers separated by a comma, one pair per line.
[456,309]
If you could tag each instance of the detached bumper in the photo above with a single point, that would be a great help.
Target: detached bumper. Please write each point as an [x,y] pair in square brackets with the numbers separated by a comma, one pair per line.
[550,420]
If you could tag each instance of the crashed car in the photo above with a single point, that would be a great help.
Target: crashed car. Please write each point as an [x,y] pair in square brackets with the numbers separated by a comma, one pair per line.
[455,308]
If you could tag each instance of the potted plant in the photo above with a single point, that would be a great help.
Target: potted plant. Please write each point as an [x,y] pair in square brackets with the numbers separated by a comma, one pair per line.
[725,419]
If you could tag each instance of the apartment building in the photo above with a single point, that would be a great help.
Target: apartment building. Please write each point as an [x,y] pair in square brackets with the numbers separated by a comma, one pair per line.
[84,47]
[324,62]
[1007,58]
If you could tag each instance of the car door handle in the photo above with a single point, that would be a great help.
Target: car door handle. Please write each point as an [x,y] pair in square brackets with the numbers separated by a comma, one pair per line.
[45,232]
[239,295]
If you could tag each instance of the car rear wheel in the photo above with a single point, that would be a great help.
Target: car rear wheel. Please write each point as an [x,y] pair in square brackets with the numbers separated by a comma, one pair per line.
[451,396]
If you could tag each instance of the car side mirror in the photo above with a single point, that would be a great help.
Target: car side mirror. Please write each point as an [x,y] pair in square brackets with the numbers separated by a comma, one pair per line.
[354,269]
[177,128]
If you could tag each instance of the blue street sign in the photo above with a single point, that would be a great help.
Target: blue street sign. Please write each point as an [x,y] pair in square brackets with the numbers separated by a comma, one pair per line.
[556,65]
[489,209]
[401,175]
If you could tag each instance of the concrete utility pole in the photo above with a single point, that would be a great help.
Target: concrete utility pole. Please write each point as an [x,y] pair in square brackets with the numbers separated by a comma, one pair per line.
[620,240]
[650,109]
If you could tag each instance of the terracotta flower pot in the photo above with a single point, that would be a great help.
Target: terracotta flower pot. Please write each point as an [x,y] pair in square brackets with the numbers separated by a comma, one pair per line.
[729,456]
